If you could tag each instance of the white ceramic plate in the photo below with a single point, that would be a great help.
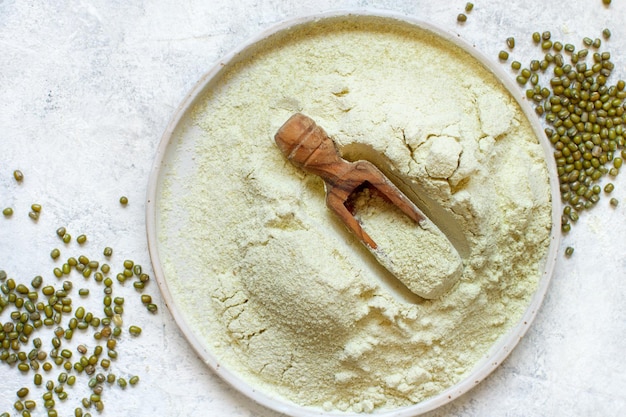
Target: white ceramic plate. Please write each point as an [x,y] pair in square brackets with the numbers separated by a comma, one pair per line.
[175,155]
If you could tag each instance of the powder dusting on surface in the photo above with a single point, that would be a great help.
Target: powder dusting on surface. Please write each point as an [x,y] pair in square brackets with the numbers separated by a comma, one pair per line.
[276,287]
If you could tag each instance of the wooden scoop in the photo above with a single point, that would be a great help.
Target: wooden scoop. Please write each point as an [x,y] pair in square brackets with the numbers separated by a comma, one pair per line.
[308,147]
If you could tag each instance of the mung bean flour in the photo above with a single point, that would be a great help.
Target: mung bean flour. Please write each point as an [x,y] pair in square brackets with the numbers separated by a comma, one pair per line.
[277,288]
[401,241]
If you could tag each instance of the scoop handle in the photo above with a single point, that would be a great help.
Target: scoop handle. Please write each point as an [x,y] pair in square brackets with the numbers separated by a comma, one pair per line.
[307,146]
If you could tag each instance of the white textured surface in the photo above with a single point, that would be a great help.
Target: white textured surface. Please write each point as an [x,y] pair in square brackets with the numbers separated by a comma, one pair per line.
[86,90]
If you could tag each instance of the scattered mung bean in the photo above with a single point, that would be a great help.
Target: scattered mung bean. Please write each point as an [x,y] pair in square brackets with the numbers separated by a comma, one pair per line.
[510,42]
[585,118]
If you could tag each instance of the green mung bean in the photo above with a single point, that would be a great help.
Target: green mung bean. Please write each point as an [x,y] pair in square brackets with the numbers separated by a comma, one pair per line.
[536,37]
[510,42]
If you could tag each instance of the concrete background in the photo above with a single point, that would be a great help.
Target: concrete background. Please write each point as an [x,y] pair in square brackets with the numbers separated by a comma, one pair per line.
[86,91]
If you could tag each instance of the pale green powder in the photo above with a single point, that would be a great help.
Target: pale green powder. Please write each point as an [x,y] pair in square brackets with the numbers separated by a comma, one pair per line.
[418,254]
[273,283]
